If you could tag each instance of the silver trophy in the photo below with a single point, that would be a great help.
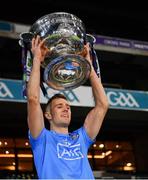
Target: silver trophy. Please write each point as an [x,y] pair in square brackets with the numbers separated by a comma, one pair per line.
[65,67]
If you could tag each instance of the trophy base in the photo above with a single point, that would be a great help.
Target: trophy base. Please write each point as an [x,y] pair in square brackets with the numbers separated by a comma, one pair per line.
[67,72]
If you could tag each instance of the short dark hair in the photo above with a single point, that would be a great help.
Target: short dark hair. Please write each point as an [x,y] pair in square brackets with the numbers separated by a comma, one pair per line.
[55,96]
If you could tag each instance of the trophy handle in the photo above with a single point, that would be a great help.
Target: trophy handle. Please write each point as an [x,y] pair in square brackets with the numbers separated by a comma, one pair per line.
[25,39]
[91,40]
[27,57]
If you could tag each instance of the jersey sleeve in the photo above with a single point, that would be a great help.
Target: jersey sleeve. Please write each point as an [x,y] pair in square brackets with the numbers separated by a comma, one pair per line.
[38,140]
[87,140]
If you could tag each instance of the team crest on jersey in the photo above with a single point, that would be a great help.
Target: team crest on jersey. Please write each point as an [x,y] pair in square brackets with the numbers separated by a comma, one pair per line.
[69,152]
[74,136]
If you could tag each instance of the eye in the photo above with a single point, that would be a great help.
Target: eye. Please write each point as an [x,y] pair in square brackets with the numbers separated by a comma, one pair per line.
[59,106]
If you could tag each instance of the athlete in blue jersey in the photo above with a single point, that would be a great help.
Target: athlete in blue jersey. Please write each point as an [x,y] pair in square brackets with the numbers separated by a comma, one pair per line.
[57,153]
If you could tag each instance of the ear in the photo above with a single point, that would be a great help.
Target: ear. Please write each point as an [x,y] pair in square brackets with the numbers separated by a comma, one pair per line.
[47,115]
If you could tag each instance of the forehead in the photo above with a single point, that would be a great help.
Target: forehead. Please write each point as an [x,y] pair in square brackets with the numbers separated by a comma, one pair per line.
[59,101]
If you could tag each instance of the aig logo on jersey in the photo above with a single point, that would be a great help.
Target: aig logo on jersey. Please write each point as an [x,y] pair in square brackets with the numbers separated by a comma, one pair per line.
[69,152]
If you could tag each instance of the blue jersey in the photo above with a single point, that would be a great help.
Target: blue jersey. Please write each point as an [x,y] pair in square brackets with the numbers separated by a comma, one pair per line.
[62,156]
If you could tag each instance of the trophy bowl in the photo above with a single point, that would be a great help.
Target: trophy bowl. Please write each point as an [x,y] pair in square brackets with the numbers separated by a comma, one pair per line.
[65,66]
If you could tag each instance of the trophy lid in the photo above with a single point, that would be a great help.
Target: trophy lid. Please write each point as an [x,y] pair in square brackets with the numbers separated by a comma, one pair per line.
[49,23]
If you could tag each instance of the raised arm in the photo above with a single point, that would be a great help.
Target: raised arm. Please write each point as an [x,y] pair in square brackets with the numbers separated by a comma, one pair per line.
[35,114]
[95,117]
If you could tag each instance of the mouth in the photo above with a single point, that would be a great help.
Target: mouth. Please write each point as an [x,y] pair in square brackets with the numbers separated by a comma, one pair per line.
[65,115]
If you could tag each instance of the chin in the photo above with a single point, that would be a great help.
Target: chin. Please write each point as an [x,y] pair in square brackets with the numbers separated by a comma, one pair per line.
[65,125]
[66,122]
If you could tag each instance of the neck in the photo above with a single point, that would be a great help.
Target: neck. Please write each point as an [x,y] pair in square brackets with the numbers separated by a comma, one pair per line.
[61,130]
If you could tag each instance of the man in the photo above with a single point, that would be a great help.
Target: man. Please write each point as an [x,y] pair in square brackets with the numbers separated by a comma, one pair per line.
[59,154]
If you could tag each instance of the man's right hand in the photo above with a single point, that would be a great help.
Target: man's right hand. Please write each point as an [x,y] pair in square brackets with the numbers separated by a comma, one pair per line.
[39,49]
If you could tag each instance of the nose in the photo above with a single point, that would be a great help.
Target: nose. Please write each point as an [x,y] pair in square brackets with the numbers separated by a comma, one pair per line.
[66,109]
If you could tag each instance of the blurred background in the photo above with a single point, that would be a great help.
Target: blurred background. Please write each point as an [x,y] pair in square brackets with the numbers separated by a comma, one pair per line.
[121,31]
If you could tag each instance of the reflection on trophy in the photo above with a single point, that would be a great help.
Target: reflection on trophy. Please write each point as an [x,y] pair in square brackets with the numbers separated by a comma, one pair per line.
[65,67]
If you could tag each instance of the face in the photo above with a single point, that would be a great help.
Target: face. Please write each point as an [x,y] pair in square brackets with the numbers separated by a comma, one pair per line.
[60,112]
